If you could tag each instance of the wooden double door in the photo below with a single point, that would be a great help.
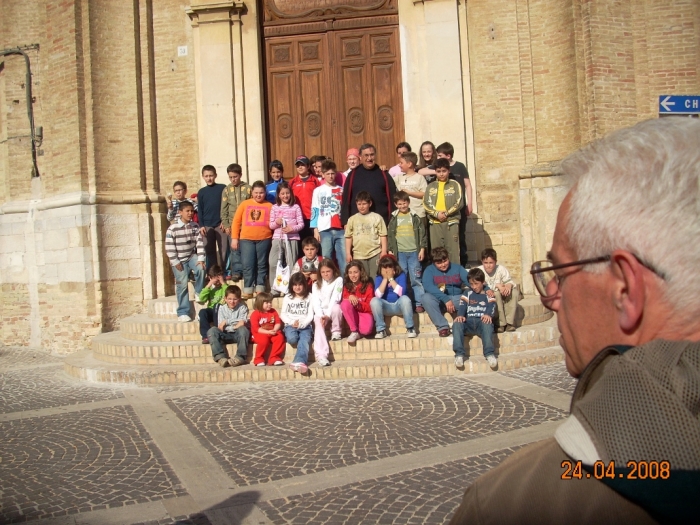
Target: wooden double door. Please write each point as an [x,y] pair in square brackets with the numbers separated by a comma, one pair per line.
[328,92]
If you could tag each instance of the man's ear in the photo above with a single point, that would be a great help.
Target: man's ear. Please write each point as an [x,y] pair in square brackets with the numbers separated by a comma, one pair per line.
[629,290]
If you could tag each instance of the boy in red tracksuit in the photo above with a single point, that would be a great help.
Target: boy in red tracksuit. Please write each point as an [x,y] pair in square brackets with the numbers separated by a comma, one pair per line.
[303,186]
[266,327]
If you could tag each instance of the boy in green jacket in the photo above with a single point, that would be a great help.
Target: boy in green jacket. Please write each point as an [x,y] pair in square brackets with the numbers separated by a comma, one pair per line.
[212,295]
[443,200]
[408,243]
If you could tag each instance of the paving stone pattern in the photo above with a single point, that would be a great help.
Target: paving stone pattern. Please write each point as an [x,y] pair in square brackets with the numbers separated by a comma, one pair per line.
[554,377]
[12,357]
[77,462]
[47,387]
[426,495]
[260,435]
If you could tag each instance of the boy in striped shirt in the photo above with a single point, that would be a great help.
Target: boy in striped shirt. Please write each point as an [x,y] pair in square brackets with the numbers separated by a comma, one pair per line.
[185,249]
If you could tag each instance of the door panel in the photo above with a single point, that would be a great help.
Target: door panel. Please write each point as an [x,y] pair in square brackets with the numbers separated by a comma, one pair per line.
[332,91]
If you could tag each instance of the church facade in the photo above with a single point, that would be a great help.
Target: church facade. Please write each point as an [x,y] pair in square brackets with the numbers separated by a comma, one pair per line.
[128,97]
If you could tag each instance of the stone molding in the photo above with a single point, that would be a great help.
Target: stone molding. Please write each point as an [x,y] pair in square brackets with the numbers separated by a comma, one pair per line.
[543,169]
[80,199]
[302,10]
[217,12]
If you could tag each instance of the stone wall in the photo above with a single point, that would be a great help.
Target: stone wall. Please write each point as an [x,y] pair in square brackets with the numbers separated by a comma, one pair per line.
[82,246]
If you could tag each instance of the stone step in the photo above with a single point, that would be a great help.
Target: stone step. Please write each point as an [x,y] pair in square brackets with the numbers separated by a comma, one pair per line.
[531,310]
[83,365]
[119,347]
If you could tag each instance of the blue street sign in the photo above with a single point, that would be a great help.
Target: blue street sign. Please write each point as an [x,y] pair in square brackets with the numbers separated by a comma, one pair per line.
[679,104]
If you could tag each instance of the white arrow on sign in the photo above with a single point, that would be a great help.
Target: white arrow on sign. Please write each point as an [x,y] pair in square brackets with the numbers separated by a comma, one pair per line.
[665,103]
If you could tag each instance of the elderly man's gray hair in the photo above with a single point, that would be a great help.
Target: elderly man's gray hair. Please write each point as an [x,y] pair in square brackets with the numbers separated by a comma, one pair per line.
[638,189]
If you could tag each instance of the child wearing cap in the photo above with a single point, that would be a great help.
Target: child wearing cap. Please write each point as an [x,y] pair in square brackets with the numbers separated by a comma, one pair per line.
[353,158]
[303,186]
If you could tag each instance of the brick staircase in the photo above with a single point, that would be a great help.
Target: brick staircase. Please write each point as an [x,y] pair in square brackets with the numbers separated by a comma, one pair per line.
[154,348]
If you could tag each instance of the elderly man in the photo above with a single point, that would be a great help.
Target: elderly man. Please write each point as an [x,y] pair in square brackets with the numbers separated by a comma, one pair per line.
[623,276]
[368,177]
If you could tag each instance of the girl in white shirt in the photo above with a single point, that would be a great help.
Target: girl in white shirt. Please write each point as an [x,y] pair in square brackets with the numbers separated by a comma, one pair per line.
[326,296]
[298,314]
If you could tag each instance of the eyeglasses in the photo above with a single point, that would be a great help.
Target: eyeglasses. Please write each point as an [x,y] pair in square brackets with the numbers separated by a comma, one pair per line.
[543,273]
[548,283]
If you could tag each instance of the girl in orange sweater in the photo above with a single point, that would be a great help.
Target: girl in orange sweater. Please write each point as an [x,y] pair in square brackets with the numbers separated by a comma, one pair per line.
[251,234]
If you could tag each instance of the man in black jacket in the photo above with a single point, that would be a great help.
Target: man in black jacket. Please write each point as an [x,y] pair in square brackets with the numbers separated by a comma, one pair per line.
[370,178]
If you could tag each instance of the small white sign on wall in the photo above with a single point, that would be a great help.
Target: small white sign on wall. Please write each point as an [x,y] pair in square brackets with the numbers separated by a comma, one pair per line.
[182,51]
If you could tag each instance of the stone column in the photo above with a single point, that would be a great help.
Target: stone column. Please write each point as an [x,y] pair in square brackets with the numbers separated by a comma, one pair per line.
[229,98]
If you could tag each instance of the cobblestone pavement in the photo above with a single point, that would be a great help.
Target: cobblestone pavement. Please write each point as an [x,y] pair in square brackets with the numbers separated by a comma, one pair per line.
[284,431]
[427,495]
[372,451]
[552,376]
[45,387]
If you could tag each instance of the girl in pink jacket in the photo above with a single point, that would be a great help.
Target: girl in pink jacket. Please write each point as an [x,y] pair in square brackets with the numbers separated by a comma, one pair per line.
[286,221]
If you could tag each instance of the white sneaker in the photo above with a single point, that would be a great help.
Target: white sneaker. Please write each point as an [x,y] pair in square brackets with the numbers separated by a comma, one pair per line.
[353,337]
[411,332]
[184,318]
[260,364]
[336,336]
[278,363]
[459,361]
[323,362]
[493,362]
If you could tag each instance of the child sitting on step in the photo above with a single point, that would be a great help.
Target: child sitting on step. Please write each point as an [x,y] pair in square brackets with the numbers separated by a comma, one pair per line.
[357,294]
[326,295]
[475,317]
[298,315]
[231,328]
[212,295]
[266,326]
[308,264]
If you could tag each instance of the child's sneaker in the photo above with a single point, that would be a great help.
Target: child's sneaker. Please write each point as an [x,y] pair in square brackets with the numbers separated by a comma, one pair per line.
[236,361]
[420,309]
[184,318]
[493,362]
[381,334]
[299,367]
[278,363]
[205,340]
[260,364]
[459,361]
[223,362]
[353,337]
[444,332]
[411,332]
[323,362]
[336,336]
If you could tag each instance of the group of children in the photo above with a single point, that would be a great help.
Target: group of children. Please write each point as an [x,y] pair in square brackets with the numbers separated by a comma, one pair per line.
[265,223]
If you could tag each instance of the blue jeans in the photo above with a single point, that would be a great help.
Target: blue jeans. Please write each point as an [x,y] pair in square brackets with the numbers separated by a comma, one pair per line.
[217,340]
[412,266]
[181,278]
[334,241]
[380,308]
[435,307]
[254,257]
[472,326]
[234,265]
[207,317]
[302,338]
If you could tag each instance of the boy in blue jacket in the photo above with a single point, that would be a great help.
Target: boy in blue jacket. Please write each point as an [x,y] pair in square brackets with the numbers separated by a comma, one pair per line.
[443,282]
[475,317]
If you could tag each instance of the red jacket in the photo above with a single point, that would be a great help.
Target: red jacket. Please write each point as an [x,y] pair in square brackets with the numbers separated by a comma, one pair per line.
[264,320]
[363,298]
[303,191]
